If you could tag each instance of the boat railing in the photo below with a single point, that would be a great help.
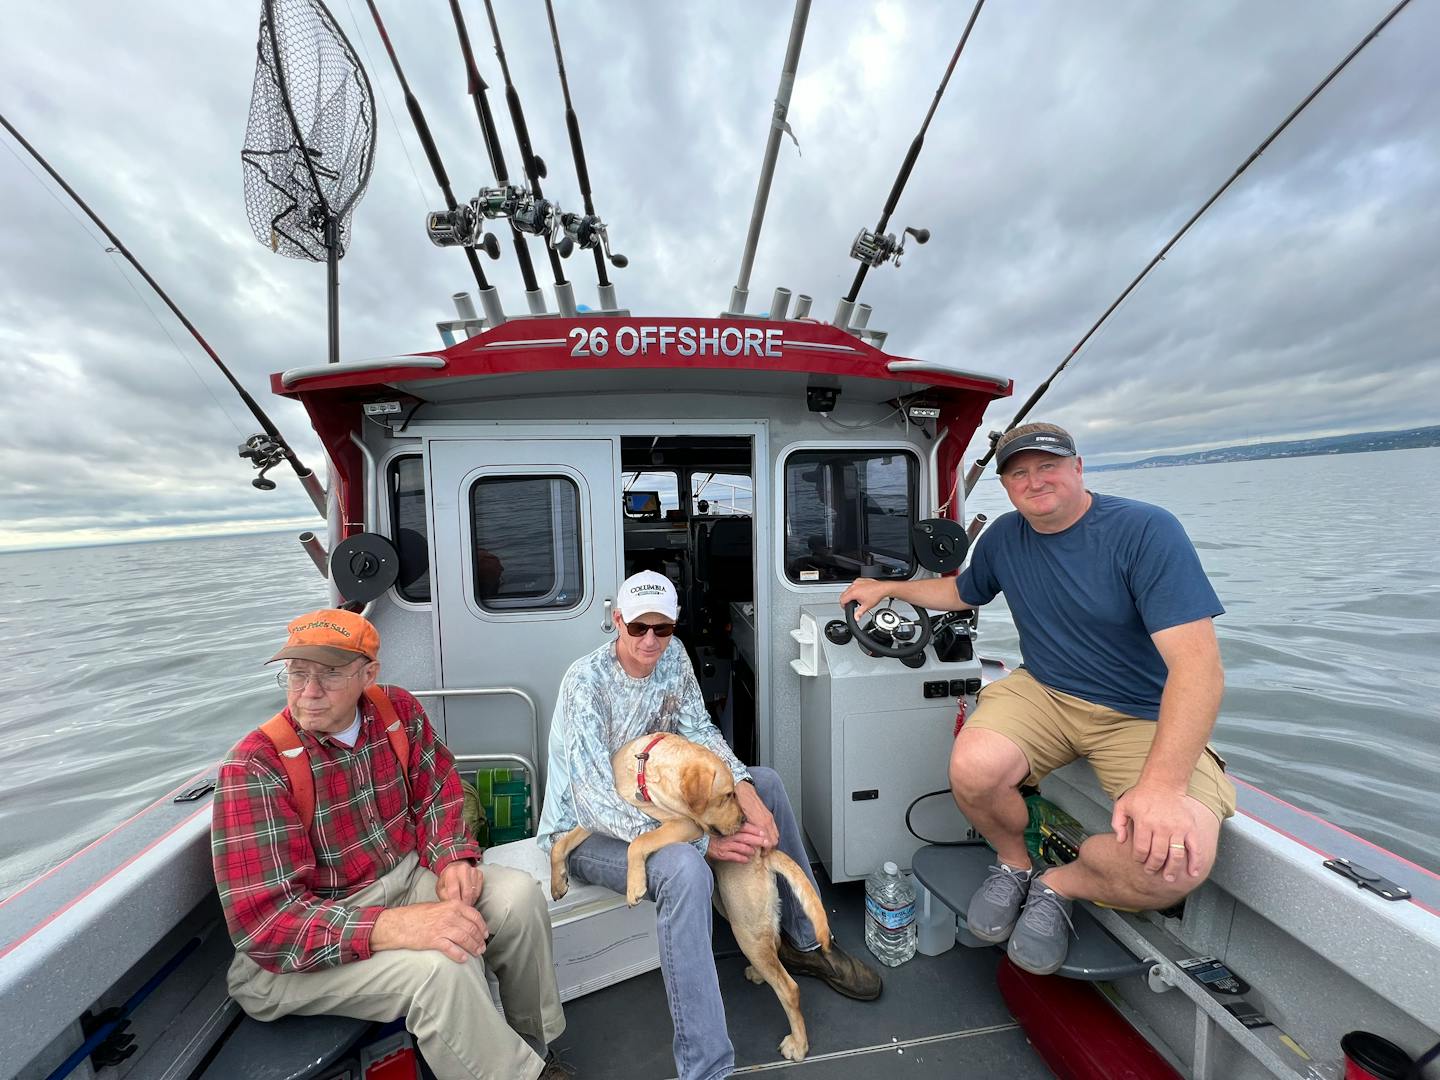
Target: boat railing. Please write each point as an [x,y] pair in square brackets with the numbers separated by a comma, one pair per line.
[527,763]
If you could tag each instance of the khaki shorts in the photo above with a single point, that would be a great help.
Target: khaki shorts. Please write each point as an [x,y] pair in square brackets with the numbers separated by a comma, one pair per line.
[1053,729]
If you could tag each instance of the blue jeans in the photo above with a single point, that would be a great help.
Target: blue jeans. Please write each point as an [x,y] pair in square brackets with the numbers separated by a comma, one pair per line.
[681,884]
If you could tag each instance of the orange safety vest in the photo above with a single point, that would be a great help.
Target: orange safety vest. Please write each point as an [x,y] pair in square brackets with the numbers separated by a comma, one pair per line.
[281,732]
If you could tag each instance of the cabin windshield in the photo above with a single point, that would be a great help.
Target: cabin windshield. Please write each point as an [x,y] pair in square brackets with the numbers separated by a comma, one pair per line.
[847,515]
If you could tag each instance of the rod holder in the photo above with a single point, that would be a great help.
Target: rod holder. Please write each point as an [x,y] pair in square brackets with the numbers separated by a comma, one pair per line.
[535,301]
[976,524]
[464,306]
[861,317]
[316,490]
[316,550]
[843,311]
[738,299]
[802,306]
[490,301]
[607,298]
[565,299]
[780,303]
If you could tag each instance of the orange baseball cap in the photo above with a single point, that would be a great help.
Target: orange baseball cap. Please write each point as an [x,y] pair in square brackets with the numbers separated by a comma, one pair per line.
[330,637]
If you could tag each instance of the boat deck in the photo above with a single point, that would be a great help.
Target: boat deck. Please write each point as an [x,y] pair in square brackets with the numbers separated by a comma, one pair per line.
[939,1016]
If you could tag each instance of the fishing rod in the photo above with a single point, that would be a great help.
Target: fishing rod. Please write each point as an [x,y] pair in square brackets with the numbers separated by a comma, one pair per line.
[488,130]
[432,152]
[264,451]
[873,247]
[740,294]
[541,216]
[588,231]
[978,468]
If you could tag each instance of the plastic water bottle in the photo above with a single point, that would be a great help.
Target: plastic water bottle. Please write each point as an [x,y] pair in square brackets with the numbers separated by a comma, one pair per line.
[890,916]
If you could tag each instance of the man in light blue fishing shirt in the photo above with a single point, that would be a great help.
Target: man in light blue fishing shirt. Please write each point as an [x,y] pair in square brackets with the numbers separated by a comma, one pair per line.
[639,684]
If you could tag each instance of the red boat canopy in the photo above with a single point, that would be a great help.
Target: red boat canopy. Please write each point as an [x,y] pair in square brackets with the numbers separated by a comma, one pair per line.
[607,343]
[591,351]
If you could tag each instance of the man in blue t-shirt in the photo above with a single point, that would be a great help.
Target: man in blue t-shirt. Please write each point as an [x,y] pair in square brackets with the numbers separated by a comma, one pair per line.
[1121,667]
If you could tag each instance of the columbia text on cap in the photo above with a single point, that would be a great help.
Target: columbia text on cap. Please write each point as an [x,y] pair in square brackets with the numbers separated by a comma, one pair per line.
[648,592]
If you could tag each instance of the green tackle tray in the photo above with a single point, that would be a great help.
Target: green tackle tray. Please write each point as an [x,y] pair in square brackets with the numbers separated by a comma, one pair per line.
[505,797]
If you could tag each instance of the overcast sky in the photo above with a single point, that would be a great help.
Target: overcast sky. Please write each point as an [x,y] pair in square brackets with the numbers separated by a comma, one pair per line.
[1073,140]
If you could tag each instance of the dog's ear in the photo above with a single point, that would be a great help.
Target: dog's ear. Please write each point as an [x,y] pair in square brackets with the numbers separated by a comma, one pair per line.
[695,787]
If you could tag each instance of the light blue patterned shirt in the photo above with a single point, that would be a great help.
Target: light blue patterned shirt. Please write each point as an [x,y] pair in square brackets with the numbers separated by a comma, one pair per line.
[599,709]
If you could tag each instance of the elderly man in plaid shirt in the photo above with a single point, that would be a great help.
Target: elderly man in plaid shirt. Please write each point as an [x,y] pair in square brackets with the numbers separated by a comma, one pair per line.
[380,907]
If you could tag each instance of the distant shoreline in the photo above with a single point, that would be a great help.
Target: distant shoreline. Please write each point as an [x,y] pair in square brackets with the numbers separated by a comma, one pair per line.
[1358,443]
[263,530]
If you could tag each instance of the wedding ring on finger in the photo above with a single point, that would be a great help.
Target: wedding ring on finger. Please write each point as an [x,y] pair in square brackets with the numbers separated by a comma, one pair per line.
[1177,847]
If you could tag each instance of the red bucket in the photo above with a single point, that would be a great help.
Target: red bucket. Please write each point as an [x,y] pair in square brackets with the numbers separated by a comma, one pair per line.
[1369,1057]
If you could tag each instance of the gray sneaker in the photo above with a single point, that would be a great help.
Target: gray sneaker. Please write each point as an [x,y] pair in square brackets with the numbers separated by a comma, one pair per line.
[996,904]
[1042,935]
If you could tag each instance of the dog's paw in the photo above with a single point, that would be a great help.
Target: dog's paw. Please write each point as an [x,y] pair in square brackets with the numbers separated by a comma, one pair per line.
[753,975]
[634,891]
[559,884]
[793,1049]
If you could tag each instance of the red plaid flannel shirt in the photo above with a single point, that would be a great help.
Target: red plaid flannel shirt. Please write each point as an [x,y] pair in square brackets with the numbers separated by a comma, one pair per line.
[283,890]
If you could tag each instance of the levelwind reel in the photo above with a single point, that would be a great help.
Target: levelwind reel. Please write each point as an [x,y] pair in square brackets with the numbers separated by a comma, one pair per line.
[264,452]
[874,248]
[563,232]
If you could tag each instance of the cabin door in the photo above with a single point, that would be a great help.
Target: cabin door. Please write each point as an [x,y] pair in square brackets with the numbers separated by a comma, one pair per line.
[526,562]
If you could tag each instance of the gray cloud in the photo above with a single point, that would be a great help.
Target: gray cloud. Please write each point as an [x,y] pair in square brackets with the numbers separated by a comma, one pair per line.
[1074,139]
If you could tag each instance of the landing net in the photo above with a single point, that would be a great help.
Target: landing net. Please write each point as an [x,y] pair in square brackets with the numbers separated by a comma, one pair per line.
[310,140]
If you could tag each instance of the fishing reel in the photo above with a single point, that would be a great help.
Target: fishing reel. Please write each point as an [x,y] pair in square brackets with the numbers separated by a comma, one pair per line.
[461,227]
[539,217]
[529,214]
[873,248]
[264,452]
[585,232]
[498,202]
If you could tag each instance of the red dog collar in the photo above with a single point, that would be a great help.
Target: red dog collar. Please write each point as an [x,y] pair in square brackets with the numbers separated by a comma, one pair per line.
[642,793]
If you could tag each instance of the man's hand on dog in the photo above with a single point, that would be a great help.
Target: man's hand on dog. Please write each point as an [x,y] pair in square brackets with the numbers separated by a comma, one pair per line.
[757,834]
[738,846]
[453,927]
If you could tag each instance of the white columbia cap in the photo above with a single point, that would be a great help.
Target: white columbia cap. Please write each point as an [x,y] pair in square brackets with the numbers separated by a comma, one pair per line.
[648,593]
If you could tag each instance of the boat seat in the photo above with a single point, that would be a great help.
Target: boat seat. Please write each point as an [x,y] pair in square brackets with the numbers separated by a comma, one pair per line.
[291,1048]
[952,874]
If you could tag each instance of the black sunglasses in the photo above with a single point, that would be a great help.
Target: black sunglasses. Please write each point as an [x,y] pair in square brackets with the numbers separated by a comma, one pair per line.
[640,629]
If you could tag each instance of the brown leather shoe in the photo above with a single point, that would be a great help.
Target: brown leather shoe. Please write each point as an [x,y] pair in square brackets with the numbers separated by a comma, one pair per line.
[843,972]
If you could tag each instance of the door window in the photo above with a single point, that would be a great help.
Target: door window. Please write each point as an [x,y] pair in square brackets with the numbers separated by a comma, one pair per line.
[407,518]
[526,542]
[848,514]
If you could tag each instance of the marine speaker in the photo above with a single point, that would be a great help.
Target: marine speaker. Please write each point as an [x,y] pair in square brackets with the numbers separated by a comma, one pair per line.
[939,544]
[364,566]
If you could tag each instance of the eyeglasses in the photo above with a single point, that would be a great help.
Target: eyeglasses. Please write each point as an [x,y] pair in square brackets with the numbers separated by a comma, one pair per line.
[328,680]
[640,629]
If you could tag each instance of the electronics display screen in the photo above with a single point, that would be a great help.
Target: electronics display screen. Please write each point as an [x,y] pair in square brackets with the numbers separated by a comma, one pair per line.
[642,504]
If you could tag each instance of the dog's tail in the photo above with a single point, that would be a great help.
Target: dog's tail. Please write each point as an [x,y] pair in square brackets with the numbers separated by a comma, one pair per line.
[804,892]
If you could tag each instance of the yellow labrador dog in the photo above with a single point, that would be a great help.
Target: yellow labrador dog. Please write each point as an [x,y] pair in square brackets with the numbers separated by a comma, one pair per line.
[690,791]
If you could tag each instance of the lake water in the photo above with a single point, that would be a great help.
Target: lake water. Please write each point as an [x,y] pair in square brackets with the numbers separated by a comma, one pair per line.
[125,669]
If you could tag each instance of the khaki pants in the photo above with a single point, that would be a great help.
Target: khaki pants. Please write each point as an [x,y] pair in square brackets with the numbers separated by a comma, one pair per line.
[1053,729]
[447,1006]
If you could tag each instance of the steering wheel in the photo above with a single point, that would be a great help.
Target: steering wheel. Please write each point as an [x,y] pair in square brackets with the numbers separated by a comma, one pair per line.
[909,636]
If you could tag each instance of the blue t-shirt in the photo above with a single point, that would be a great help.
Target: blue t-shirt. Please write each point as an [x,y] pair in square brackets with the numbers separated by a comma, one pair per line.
[1087,599]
